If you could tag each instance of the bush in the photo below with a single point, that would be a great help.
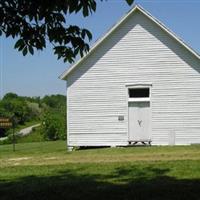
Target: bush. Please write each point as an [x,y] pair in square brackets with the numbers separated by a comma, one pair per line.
[53,126]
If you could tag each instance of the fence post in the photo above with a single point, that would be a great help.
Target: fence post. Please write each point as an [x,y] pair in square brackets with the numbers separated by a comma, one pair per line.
[13,138]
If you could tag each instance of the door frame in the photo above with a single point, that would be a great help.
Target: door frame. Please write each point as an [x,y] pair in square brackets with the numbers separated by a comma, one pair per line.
[139,85]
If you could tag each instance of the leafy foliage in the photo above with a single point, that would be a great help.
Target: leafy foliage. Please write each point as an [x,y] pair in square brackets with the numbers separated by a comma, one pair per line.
[54,101]
[36,22]
[54,118]
[53,126]
[51,110]
[13,107]
[10,95]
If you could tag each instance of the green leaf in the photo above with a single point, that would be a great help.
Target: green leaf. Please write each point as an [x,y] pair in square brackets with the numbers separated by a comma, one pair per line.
[129,2]
[21,47]
[78,8]
[93,6]
[88,34]
[85,11]
[25,51]
[76,51]
[19,43]
[30,48]
[83,34]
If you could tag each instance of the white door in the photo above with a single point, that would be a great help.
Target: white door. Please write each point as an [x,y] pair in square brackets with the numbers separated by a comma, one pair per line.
[139,121]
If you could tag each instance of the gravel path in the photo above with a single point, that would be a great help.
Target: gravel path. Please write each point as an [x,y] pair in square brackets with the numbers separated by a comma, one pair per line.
[27,130]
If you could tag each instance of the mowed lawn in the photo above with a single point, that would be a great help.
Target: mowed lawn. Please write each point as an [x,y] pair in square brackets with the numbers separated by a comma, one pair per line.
[46,170]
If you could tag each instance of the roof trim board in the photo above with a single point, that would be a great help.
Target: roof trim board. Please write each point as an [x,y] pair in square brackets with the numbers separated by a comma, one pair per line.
[64,75]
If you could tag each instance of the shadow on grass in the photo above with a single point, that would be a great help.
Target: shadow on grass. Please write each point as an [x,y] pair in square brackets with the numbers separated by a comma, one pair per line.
[122,183]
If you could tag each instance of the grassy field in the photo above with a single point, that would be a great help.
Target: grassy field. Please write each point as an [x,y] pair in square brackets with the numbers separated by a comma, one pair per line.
[47,171]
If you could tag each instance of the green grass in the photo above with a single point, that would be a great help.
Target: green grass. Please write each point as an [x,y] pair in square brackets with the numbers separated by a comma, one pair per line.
[47,171]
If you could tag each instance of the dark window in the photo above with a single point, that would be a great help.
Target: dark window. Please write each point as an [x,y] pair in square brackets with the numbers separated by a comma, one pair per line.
[138,92]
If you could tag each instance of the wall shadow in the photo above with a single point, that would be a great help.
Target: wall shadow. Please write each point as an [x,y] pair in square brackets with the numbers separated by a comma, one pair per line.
[132,183]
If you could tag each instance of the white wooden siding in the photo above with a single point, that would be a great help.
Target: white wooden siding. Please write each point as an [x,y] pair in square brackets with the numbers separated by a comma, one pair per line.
[137,52]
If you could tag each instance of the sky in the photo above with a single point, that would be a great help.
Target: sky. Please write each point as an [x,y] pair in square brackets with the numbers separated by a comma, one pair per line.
[37,75]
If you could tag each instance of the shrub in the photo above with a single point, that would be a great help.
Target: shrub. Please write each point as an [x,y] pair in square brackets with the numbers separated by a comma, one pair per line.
[53,126]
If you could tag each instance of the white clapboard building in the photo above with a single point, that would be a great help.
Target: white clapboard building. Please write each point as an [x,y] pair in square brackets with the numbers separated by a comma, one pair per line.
[139,83]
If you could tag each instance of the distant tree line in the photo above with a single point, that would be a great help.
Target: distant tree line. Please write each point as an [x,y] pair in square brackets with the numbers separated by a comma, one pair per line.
[50,111]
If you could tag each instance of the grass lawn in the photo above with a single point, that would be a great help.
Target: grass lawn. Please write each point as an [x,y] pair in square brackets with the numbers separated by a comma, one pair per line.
[46,170]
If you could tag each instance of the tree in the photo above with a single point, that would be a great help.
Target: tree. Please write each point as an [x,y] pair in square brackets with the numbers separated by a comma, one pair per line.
[54,101]
[16,108]
[9,96]
[36,22]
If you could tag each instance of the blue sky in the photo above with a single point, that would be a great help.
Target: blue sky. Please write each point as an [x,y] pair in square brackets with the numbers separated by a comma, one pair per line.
[38,75]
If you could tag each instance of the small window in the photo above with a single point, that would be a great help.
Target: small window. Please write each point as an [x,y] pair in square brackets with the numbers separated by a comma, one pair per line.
[139,93]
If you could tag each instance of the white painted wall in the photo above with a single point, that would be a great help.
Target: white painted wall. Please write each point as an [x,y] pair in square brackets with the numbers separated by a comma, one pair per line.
[138,52]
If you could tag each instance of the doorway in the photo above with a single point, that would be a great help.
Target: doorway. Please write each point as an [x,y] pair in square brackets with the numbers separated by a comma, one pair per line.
[139,114]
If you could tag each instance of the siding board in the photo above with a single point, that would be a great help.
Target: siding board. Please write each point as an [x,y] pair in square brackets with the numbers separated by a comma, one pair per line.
[137,52]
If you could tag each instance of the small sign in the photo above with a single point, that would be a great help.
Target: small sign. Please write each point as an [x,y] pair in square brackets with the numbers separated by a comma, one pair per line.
[121,118]
[5,123]
[4,119]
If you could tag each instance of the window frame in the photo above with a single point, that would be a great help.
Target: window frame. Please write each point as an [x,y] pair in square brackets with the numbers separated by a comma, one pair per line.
[139,86]
[139,92]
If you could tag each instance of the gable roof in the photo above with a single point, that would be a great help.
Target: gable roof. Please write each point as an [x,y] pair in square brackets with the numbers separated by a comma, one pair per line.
[64,75]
